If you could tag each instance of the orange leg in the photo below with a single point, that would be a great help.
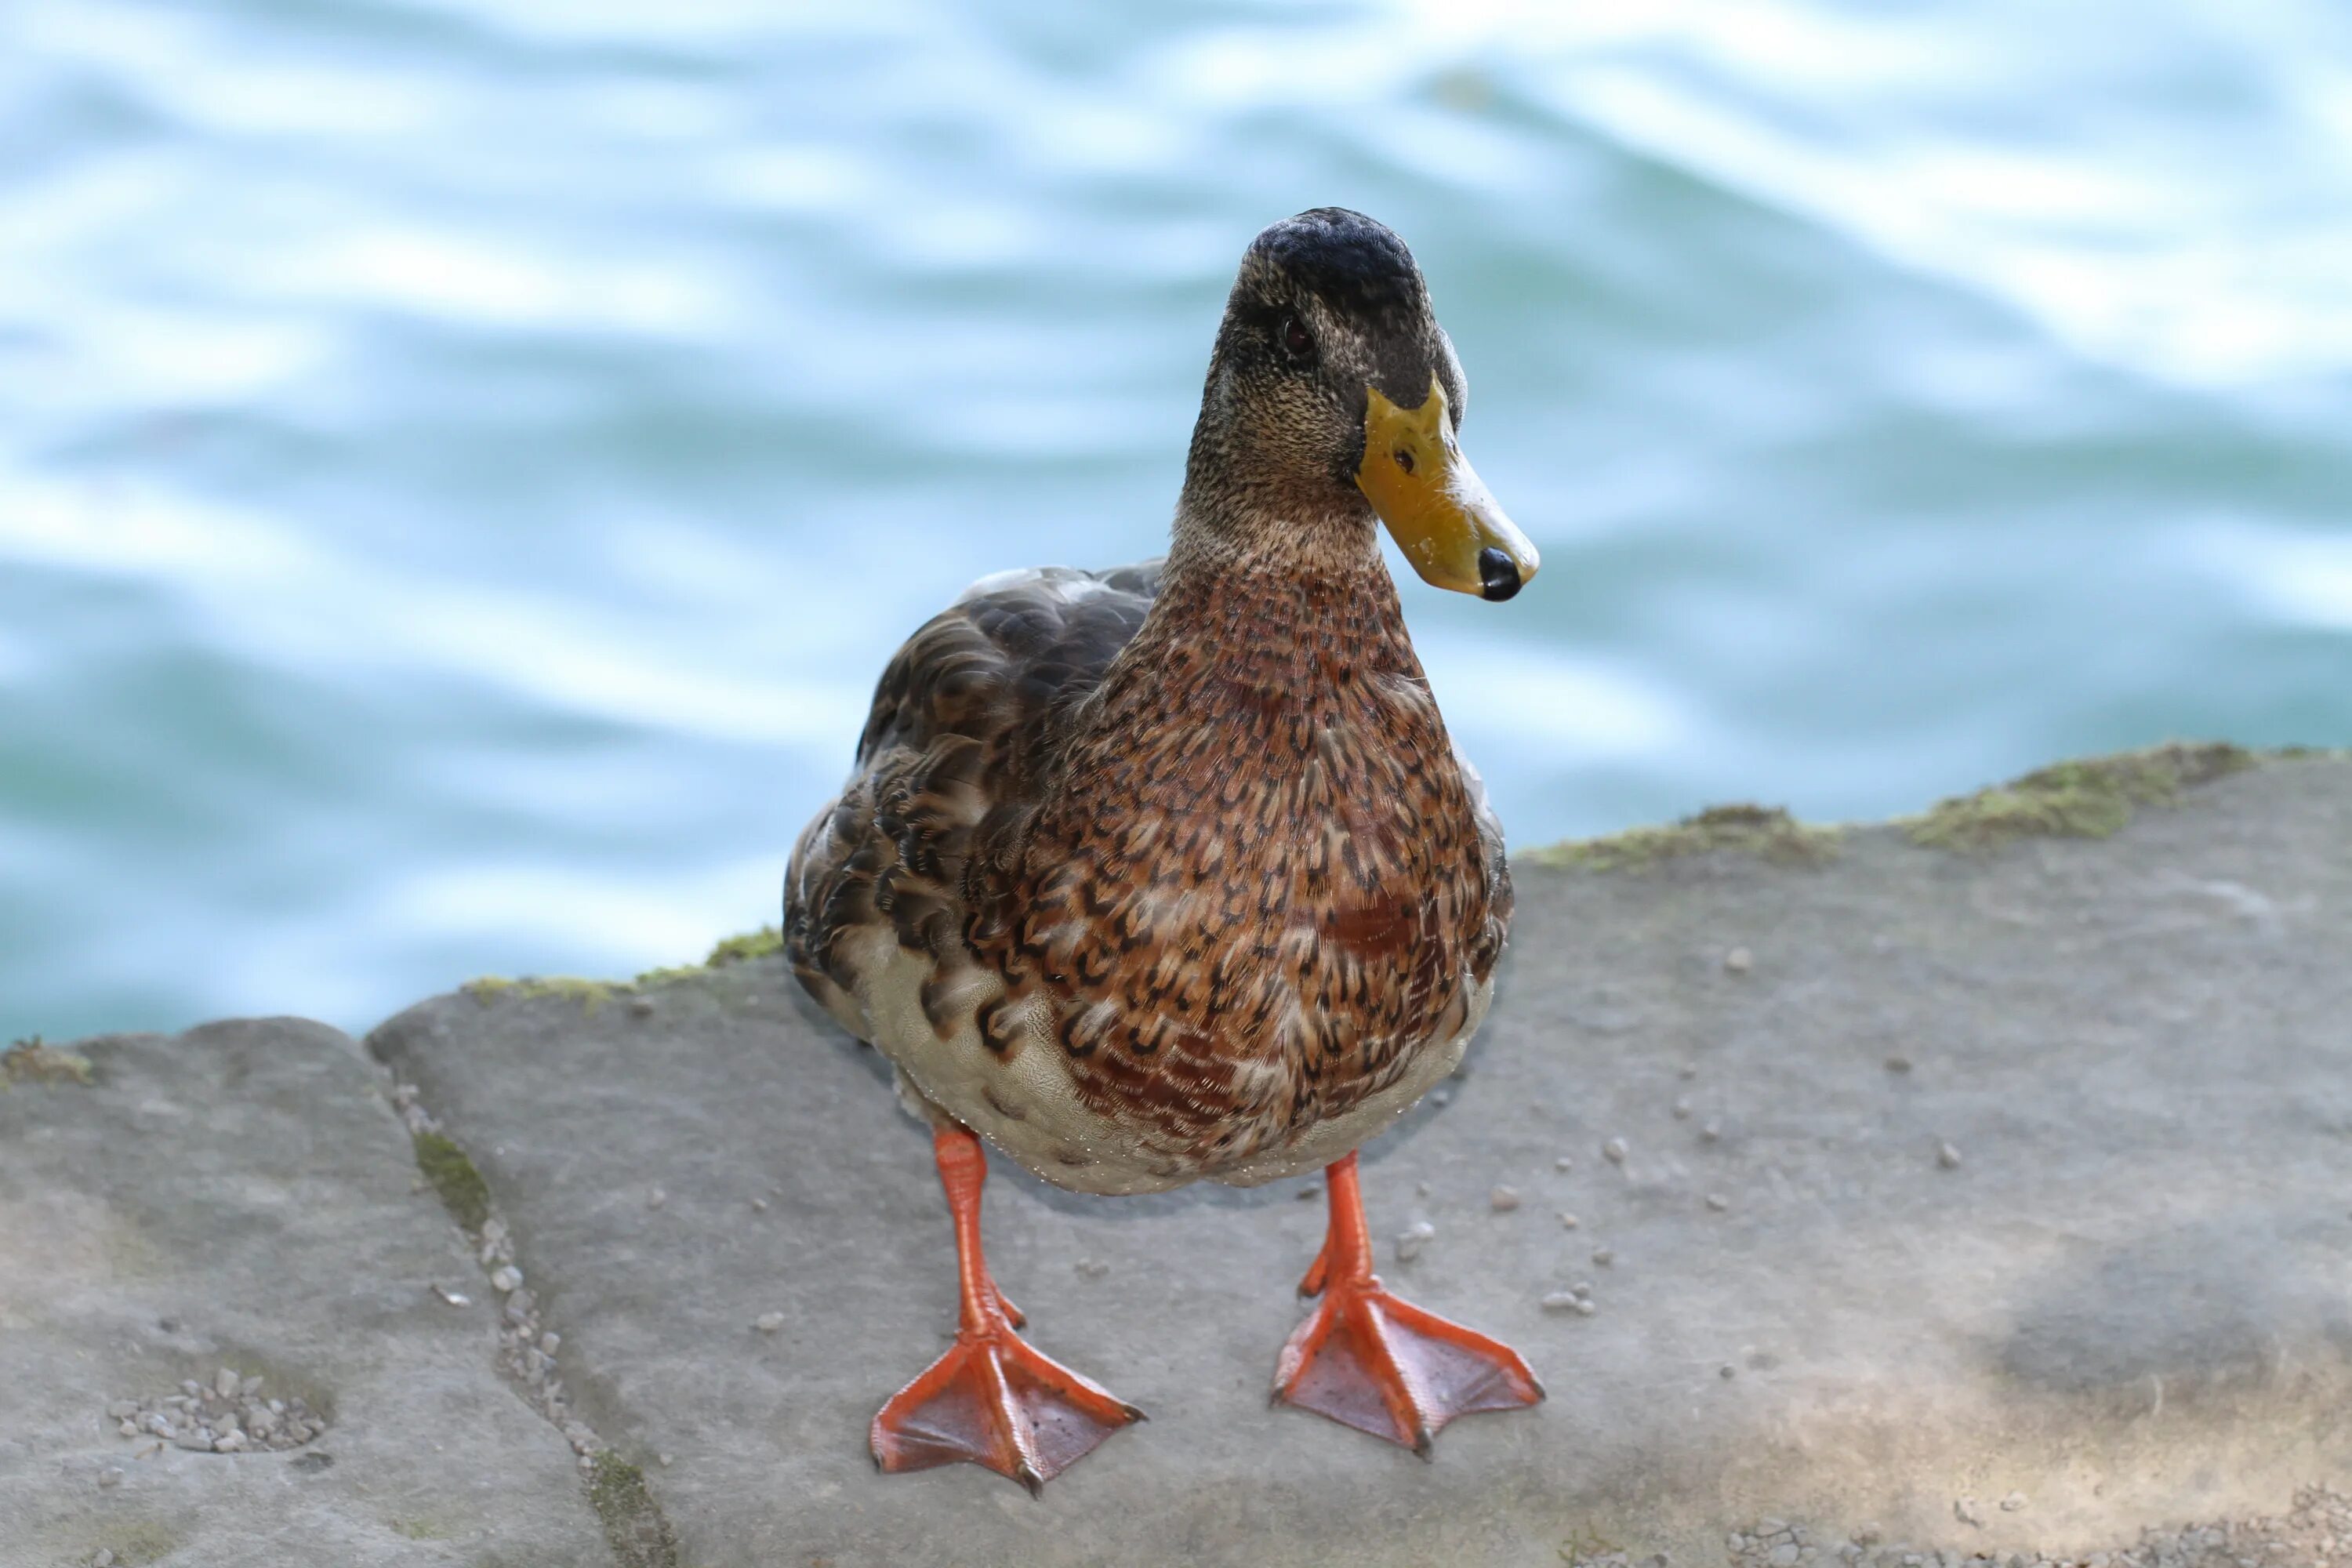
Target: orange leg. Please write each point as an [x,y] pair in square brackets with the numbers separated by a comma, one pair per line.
[1384,1366]
[990,1400]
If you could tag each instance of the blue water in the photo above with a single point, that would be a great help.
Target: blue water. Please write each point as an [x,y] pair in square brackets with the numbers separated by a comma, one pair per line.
[463,464]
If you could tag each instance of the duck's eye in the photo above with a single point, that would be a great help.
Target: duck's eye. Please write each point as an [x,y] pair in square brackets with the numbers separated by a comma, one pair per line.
[1298,339]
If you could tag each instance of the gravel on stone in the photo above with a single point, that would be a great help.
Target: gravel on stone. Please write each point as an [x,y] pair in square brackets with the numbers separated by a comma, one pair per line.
[2314,1529]
[227,1415]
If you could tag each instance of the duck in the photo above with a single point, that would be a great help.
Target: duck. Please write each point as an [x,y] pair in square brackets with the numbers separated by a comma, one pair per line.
[1171,872]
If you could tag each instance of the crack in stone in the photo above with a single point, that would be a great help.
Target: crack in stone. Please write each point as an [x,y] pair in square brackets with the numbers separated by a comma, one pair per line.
[635,1526]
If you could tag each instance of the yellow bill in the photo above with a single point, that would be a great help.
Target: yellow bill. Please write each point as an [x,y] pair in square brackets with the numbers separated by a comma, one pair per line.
[1435,507]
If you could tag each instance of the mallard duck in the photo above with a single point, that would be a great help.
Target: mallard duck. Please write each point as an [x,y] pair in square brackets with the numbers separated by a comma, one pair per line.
[1171,873]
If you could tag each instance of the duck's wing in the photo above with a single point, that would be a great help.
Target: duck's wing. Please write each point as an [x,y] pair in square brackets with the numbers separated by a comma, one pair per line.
[1500,900]
[962,728]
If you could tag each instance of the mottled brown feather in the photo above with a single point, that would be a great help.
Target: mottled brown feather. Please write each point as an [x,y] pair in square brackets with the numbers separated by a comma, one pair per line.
[1214,828]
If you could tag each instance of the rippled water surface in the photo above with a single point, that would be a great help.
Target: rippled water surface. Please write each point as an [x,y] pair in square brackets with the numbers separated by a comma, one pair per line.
[462,465]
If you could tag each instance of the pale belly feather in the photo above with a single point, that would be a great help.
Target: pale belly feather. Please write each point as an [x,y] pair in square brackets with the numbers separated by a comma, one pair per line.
[1024,1101]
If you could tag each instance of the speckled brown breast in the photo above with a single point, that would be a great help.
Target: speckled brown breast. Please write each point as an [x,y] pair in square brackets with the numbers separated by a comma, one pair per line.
[1205,840]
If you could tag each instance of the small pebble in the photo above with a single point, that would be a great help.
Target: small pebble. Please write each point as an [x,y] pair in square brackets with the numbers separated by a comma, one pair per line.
[1727,1372]
[1562,1301]
[1718,1201]
[2013,1502]
[1567,1220]
[1690,1069]
[549,1342]
[225,1383]
[229,1442]
[1603,1256]
[1503,1200]
[1712,1131]
[1683,1109]
[1442,1096]
[655,1198]
[110,1477]
[105,1558]
[1415,1236]
[1309,1191]
[1092,1268]
[1739,961]
[1564,1163]
[454,1297]
[759,1205]
[1615,1151]
[1898,1064]
[1965,1511]
[1947,1157]
[642,1007]
[768,1323]
[505,1278]
[664,1460]
[122,1409]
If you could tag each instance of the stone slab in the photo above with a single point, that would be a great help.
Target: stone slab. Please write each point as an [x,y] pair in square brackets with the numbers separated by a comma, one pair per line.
[2122,1297]
[243,1196]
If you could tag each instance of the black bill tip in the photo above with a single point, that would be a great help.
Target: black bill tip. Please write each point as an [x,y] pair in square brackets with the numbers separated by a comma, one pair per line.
[1499,578]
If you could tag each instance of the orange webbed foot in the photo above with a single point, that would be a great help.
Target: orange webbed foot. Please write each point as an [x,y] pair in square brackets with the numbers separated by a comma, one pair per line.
[990,1400]
[993,1401]
[1370,1361]
[1382,1365]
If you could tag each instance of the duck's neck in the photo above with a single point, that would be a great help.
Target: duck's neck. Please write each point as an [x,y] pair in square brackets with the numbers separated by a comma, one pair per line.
[1273,612]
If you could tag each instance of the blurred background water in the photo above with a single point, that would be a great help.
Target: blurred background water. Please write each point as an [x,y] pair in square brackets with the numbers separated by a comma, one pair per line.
[463,462]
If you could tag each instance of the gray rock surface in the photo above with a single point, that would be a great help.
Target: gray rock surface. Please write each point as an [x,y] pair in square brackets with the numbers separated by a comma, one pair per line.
[243,1197]
[1994,1204]
[1924,1203]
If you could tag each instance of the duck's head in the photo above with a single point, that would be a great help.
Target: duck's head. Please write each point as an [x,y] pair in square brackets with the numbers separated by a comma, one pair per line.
[1333,388]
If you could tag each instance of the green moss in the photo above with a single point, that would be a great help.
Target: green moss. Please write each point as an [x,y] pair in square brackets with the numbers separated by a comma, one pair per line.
[758,943]
[751,944]
[590,994]
[30,1061]
[1767,832]
[593,995]
[2087,799]
[633,1526]
[463,1192]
